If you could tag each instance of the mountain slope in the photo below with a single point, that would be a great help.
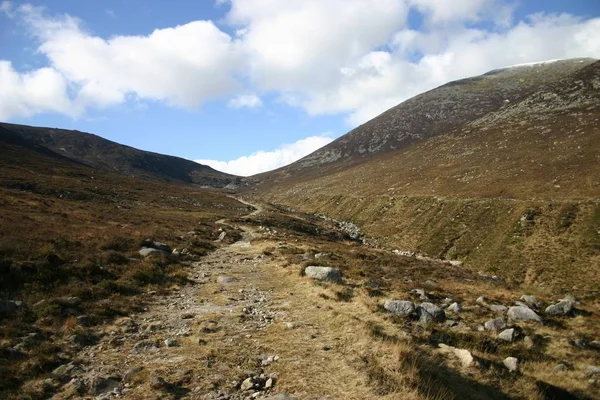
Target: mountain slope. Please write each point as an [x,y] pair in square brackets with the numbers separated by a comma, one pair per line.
[100,153]
[430,114]
[515,192]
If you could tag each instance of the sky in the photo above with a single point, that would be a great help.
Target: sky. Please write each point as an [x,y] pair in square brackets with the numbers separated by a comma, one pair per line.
[247,86]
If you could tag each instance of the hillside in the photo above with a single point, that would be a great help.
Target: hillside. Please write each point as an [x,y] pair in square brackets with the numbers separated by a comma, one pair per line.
[104,154]
[514,192]
[430,114]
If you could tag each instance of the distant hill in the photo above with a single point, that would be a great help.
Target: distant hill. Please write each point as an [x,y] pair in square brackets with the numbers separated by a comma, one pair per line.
[94,151]
[508,187]
[428,115]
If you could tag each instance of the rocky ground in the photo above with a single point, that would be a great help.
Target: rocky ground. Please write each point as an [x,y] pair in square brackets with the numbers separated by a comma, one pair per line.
[248,326]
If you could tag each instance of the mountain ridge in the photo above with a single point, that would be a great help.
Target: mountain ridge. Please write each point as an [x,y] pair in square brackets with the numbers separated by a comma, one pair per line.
[95,151]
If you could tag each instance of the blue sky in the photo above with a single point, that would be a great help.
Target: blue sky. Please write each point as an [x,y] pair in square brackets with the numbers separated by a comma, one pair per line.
[249,85]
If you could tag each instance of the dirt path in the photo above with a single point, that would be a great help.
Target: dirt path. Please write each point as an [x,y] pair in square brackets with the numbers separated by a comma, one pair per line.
[246,328]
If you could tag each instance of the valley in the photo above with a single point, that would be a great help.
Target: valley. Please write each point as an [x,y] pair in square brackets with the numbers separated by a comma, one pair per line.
[447,249]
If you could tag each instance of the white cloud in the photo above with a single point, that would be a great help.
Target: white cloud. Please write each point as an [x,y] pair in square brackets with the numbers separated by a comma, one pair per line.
[263,161]
[350,57]
[382,79]
[245,101]
[182,66]
[39,91]
[301,45]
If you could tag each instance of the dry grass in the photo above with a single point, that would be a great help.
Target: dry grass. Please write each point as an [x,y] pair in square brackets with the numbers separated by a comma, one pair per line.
[68,230]
[398,358]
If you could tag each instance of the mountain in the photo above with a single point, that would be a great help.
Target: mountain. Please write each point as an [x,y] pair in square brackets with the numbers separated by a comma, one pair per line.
[514,191]
[94,151]
[430,114]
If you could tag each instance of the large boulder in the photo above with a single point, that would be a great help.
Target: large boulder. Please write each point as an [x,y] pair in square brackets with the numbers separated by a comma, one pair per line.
[402,308]
[429,312]
[562,308]
[522,313]
[323,273]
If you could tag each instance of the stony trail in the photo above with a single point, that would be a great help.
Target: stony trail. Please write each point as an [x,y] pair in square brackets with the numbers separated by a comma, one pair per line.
[244,328]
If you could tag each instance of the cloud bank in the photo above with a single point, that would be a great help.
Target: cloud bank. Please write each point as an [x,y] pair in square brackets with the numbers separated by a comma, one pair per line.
[262,161]
[351,57]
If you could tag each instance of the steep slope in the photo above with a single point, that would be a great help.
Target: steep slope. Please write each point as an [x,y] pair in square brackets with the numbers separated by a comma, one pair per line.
[430,114]
[515,192]
[100,153]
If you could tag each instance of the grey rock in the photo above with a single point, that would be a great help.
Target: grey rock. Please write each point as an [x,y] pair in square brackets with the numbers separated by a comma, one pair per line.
[171,343]
[223,280]
[153,244]
[399,307]
[562,308]
[511,363]
[221,236]
[158,383]
[528,342]
[592,369]
[531,301]
[429,312]
[482,300]
[495,324]
[508,335]
[520,313]
[247,384]
[498,308]
[323,273]
[149,251]
[455,308]
[269,383]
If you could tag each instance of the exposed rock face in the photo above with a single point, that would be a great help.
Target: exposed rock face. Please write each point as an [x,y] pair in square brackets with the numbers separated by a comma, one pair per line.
[323,273]
[562,308]
[401,308]
[521,313]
